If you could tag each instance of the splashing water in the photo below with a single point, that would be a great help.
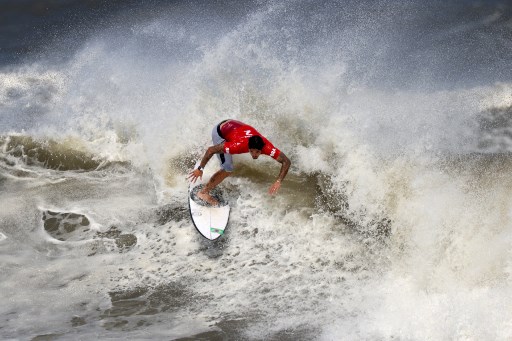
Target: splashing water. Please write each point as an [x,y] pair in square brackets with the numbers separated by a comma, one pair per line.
[393,223]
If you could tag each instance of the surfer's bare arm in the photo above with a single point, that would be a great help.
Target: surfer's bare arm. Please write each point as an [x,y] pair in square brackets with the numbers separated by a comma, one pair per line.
[198,173]
[285,165]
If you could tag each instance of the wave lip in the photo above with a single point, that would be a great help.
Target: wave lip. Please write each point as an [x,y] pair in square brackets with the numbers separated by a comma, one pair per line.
[49,153]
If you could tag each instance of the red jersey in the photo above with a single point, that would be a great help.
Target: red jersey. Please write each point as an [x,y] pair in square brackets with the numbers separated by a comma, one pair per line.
[237,136]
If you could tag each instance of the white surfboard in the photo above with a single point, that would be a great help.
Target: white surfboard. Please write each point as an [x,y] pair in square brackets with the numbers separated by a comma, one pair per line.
[210,221]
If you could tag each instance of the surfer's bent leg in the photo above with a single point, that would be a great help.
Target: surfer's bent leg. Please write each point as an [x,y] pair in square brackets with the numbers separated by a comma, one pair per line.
[217,178]
[226,164]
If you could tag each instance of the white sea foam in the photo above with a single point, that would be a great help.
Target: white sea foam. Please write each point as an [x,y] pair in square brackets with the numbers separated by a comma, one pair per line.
[390,224]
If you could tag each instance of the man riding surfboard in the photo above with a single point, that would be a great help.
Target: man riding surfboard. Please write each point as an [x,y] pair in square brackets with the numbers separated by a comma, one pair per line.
[234,137]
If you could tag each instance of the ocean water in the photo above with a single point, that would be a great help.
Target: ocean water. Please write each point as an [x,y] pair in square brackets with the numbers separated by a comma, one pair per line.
[394,222]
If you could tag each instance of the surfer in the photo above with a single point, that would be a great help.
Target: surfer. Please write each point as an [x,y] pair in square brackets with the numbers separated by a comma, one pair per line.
[234,137]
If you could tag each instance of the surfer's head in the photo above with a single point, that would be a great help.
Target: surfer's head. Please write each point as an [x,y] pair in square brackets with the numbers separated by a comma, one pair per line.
[255,146]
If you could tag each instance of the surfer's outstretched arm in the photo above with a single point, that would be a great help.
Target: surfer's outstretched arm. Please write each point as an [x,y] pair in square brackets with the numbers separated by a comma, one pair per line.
[285,165]
[198,172]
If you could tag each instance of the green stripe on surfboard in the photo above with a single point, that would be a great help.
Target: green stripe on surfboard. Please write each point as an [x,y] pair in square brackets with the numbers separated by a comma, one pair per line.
[219,231]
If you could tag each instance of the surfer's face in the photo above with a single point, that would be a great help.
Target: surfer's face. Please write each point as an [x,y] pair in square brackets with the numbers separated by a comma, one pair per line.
[255,153]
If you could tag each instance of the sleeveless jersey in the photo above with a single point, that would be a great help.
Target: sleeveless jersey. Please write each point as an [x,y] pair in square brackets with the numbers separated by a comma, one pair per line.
[237,136]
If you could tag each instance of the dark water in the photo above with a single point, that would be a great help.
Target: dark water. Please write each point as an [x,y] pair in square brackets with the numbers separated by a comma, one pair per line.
[28,26]
[393,222]
[52,30]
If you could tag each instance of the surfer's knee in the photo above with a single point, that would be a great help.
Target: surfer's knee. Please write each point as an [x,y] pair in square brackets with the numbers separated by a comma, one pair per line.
[224,174]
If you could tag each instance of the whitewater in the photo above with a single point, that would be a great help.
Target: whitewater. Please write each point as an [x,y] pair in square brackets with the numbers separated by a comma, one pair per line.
[394,222]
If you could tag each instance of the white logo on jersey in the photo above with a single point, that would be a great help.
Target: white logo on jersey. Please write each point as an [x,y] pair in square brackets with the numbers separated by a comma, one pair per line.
[248,133]
[272,152]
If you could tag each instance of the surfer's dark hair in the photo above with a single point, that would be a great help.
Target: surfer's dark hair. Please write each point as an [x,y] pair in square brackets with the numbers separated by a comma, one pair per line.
[256,142]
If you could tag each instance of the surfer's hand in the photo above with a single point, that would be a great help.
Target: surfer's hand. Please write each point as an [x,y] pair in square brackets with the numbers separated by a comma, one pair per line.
[275,187]
[196,173]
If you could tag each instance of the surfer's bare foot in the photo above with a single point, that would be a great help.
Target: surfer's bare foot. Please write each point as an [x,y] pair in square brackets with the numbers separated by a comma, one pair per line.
[208,198]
